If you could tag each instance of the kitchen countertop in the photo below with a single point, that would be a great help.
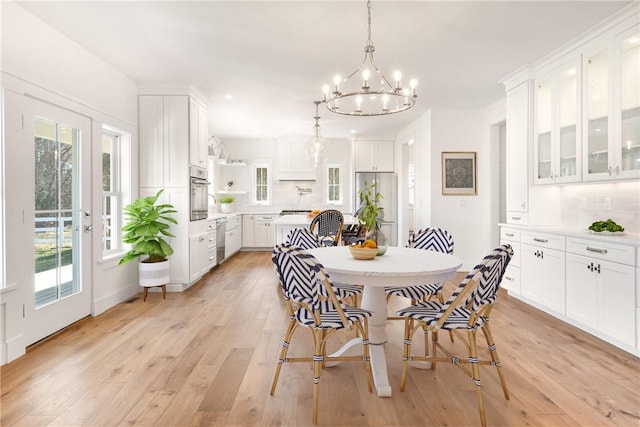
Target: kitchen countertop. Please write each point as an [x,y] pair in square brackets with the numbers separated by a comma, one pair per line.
[630,239]
[304,220]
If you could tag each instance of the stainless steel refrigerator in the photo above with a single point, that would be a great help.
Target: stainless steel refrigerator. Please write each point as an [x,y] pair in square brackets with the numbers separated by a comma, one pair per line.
[387,186]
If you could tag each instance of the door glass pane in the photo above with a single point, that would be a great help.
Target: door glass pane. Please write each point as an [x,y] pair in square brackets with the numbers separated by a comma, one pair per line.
[544,129]
[597,111]
[630,98]
[567,111]
[56,218]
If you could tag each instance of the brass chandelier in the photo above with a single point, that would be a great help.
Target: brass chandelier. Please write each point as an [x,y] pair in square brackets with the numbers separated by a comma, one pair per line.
[354,97]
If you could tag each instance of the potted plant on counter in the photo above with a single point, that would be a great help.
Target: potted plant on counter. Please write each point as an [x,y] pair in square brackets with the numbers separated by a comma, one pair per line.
[226,204]
[146,224]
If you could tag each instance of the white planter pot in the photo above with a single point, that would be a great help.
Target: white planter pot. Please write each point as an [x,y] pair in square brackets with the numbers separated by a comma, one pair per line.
[226,207]
[153,273]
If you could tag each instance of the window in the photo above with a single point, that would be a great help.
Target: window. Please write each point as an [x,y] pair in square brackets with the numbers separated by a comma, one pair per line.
[334,184]
[262,184]
[116,155]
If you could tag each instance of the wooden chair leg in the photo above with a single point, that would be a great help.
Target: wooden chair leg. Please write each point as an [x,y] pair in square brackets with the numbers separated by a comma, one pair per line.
[291,327]
[494,358]
[317,365]
[434,346]
[408,326]
[475,374]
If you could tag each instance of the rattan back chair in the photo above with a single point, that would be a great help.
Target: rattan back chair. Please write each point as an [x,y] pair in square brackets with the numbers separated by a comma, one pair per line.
[327,225]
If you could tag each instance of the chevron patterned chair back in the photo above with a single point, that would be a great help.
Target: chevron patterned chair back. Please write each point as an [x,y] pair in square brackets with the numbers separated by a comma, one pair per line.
[431,239]
[467,310]
[327,225]
[303,238]
[314,304]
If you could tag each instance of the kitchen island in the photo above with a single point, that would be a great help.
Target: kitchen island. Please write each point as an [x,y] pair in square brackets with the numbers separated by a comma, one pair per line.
[286,223]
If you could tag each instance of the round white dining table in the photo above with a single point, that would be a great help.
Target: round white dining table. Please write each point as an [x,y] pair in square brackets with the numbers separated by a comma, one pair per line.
[397,267]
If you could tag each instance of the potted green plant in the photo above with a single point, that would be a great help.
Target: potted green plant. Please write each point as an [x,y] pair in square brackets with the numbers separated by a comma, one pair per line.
[370,214]
[226,204]
[147,222]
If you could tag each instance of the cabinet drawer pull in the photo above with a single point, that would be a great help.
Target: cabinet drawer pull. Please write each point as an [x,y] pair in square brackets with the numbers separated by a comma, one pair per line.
[598,250]
[509,278]
[536,239]
[516,218]
[509,234]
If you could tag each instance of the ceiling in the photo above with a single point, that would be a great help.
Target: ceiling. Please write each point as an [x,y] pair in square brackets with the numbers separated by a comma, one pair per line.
[273,57]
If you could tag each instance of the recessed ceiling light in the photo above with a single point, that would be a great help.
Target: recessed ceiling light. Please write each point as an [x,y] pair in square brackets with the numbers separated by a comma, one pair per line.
[352,131]
[228,96]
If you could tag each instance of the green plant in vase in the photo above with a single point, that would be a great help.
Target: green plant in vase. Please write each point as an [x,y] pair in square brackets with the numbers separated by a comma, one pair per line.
[370,214]
[226,204]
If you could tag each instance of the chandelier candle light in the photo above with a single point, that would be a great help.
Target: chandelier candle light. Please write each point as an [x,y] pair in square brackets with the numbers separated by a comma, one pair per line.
[316,149]
[359,95]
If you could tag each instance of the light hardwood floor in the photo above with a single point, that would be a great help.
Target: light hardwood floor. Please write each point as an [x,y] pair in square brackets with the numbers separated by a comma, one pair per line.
[206,357]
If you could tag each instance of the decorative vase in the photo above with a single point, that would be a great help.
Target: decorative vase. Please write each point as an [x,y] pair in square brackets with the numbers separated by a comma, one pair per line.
[226,207]
[153,273]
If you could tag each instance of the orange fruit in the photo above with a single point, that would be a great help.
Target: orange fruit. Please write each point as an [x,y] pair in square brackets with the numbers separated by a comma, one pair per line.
[370,244]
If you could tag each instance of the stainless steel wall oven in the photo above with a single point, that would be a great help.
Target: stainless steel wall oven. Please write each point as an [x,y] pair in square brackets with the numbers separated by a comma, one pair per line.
[199,193]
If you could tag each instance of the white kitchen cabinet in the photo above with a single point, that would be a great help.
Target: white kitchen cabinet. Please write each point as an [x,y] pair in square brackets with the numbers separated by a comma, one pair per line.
[291,161]
[612,108]
[198,257]
[517,145]
[233,236]
[259,231]
[374,156]
[164,139]
[542,269]
[557,132]
[211,237]
[264,231]
[511,279]
[601,293]
[198,134]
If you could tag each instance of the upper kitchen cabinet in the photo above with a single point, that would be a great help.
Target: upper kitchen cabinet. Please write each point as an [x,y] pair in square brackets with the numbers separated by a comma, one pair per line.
[611,146]
[291,161]
[517,143]
[164,138]
[557,139]
[374,156]
[198,133]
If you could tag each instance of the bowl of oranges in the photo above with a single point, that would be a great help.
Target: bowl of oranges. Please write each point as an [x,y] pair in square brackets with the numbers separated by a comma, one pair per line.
[364,251]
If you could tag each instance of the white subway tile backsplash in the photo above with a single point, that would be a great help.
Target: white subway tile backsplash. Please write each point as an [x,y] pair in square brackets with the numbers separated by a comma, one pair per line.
[582,204]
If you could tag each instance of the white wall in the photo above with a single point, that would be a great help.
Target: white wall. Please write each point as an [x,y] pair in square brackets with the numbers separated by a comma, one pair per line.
[40,62]
[284,193]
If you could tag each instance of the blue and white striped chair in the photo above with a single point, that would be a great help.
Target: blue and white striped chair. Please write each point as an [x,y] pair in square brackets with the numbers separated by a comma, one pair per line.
[467,310]
[303,238]
[313,303]
[327,225]
[431,239]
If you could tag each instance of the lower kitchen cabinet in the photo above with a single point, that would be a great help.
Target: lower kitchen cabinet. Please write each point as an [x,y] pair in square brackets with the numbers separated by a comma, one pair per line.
[258,231]
[542,277]
[233,236]
[601,296]
[588,281]
[199,256]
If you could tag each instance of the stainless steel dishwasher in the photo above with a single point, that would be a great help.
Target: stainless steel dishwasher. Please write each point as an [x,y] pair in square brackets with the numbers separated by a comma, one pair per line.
[221,229]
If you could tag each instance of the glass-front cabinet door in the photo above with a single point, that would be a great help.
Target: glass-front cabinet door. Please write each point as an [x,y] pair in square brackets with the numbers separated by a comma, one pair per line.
[556,154]
[612,109]
[628,152]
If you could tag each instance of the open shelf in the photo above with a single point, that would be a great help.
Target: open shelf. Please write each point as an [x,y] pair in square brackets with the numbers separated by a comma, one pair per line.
[232,163]
[231,192]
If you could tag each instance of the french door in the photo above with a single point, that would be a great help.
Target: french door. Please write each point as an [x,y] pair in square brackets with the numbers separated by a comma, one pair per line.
[60,145]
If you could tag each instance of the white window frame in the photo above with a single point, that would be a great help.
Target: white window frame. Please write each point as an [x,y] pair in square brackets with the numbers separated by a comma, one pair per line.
[260,165]
[340,185]
[120,191]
